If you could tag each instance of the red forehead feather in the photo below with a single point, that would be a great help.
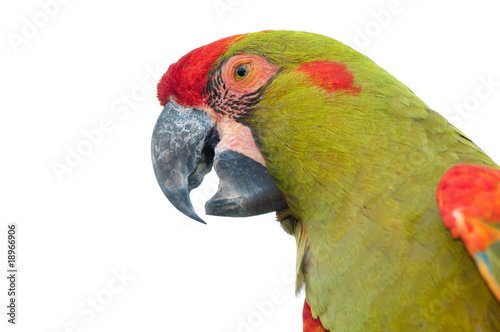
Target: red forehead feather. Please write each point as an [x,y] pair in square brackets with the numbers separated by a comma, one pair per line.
[186,79]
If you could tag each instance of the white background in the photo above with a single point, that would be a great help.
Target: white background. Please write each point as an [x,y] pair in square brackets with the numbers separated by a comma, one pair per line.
[107,215]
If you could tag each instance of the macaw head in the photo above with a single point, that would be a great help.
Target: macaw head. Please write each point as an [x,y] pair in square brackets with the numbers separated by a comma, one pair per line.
[205,96]
[271,111]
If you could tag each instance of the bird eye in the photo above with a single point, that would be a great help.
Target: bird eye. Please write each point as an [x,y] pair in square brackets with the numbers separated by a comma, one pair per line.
[241,71]
[246,73]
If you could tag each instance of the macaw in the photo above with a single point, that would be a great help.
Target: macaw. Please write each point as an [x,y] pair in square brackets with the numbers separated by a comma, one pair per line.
[393,209]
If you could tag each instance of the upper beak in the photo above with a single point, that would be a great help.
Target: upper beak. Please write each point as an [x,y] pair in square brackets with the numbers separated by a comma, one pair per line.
[182,149]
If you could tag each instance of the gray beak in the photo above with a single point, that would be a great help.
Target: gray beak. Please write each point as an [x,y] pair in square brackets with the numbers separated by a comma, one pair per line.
[182,151]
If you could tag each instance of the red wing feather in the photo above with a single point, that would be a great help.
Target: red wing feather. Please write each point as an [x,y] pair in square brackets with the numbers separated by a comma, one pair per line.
[469,201]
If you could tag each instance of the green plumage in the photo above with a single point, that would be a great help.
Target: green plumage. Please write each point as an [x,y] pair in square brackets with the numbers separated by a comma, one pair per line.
[360,172]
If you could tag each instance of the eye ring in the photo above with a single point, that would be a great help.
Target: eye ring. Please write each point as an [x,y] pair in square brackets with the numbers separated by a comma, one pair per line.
[245,73]
[242,71]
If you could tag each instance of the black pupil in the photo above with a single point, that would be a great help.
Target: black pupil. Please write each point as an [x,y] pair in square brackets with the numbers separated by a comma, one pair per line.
[241,71]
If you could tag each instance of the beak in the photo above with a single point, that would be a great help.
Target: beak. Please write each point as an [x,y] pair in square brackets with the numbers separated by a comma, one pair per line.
[183,152]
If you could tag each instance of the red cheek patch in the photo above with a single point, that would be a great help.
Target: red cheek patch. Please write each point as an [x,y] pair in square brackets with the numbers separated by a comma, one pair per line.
[329,75]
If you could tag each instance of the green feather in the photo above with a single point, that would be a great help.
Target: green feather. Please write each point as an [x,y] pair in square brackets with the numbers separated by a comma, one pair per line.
[360,172]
